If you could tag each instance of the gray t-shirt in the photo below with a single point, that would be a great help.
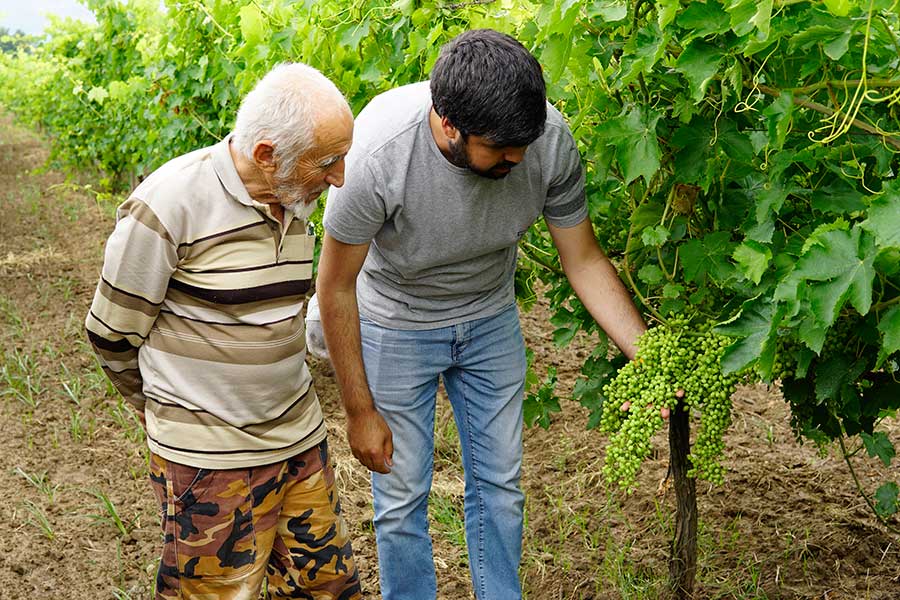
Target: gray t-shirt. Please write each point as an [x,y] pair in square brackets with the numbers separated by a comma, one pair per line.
[443,238]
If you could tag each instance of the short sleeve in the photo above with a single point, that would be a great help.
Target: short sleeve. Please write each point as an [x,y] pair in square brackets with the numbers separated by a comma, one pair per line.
[566,205]
[355,212]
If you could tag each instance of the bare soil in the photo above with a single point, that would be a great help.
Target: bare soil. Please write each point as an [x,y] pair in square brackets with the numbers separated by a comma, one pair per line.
[787,524]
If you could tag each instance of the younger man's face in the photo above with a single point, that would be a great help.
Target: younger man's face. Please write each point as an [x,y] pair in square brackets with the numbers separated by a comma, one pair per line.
[485,158]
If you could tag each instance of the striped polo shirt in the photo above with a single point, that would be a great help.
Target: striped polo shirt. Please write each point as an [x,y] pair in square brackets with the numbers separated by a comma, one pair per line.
[197,317]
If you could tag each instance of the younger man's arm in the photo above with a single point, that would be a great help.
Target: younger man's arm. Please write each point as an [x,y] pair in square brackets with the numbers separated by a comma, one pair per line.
[368,434]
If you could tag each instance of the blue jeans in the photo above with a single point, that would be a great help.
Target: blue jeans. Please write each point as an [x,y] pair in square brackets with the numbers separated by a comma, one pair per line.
[482,363]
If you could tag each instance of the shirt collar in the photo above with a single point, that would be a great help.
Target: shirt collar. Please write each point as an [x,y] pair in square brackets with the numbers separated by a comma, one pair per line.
[227,173]
[223,164]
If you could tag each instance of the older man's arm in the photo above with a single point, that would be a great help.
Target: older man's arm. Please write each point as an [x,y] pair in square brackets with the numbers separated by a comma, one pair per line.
[139,260]
[368,434]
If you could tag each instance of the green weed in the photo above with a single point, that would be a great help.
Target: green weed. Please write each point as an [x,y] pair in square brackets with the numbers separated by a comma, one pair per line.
[110,515]
[73,387]
[40,481]
[65,288]
[125,420]
[446,514]
[16,325]
[23,378]
[81,428]
[38,518]
[446,438]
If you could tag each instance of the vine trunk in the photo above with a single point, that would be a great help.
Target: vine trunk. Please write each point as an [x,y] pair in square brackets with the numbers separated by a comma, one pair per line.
[683,557]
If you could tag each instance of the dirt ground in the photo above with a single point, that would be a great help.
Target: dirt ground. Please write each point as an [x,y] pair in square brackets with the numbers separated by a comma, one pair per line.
[79,522]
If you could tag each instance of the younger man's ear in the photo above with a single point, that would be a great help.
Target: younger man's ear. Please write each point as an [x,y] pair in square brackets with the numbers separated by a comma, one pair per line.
[449,130]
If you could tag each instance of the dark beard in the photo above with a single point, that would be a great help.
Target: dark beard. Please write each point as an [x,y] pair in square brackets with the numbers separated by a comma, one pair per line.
[459,156]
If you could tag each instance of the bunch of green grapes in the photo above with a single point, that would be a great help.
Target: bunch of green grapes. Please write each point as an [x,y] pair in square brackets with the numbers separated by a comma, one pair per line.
[707,391]
[675,364]
[843,337]
[785,364]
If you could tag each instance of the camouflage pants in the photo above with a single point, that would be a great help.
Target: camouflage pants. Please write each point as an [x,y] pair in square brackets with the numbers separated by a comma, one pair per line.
[228,530]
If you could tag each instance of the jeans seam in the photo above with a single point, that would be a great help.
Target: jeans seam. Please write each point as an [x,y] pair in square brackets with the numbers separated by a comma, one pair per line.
[478,499]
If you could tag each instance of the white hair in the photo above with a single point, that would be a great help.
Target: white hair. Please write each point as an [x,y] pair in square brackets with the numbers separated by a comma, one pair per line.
[282,108]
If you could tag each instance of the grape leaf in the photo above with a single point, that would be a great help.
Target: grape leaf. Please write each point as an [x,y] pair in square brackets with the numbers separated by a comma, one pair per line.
[699,63]
[567,326]
[608,10]
[839,8]
[693,150]
[736,144]
[838,47]
[889,326]
[768,192]
[778,116]
[667,10]
[838,197]
[851,407]
[555,55]
[643,50]
[752,259]
[886,499]
[838,268]
[655,236]
[812,333]
[834,373]
[252,24]
[708,256]
[704,19]
[537,407]
[672,290]
[354,32]
[883,396]
[762,18]
[634,137]
[650,274]
[742,14]
[879,445]
[756,326]
[749,14]
[817,34]
[98,94]
[884,216]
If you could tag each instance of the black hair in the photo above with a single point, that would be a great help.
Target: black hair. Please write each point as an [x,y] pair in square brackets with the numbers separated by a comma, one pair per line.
[486,83]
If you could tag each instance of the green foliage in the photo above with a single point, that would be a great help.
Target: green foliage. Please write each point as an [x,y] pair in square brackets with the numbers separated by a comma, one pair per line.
[886,497]
[741,155]
[540,404]
[742,160]
[12,41]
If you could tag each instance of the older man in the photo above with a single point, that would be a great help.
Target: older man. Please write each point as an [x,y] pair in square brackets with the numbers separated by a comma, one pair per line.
[197,321]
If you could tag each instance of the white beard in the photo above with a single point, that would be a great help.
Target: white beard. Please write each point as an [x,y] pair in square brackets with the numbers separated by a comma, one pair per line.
[302,210]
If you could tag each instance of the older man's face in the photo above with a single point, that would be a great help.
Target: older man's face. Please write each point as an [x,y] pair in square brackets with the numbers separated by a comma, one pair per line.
[319,167]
